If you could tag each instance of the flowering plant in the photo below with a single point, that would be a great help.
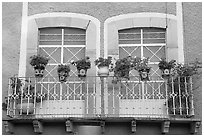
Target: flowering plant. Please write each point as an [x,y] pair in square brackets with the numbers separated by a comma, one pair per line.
[38,60]
[166,67]
[185,70]
[64,68]
[123,67]
[82,66]
[100,62]
[142,64]
[181,77]
[63,72]
[163,64]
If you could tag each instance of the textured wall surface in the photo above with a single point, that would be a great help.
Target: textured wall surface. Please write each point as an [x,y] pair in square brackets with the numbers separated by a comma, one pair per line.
[11,29]
[192,20]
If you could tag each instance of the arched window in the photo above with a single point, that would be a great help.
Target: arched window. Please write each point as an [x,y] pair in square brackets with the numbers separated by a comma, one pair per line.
[143,42]
[152,35]
[61,45]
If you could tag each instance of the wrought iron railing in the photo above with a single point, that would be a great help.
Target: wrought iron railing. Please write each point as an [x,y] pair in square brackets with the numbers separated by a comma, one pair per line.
[95,97]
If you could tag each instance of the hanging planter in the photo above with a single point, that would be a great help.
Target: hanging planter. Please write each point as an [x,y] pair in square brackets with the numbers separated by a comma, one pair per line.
[39,70]
[82,72]
[166,73]
[143,68]
[103,71]
[39,63]
[63,72]
[166,67]
[103,66]
[82,66]
[144,74]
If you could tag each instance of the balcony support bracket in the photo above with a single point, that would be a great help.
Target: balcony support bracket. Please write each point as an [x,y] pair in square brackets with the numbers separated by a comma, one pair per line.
[195,127]
[133,126]
[69,126]
[102,127]
[165,127]
[38,127]
[8,127]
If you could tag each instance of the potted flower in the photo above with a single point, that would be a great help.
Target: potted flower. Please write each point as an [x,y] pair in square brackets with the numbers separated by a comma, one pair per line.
[187,70]
[166,67]
[63,72]
[82,66]
[143,68]
[103,66]
[123,67]
[39,62]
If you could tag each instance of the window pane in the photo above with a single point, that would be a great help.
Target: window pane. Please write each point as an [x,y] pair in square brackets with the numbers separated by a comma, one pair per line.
[130,36]
[132,50]
[50,30]
[50,36]
[74,36]
[74,31]
[50,43]
[153,41]
[129,41]
[155,53]
[153,35]
[53,53]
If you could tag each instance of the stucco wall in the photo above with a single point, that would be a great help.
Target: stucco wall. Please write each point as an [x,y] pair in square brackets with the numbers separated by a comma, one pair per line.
[11,34]
[192,20]
[11,29]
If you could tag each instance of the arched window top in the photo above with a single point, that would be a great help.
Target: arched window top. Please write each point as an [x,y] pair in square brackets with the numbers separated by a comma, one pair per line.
[87,26]
[62,36]
[159,21]
[144,35]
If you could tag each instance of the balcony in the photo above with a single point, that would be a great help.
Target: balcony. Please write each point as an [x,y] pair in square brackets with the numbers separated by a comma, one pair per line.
[98,97]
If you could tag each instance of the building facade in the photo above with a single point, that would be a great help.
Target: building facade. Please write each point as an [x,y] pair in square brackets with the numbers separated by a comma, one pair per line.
[67,31]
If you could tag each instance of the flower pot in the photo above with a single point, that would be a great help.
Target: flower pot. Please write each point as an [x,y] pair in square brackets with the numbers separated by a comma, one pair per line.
[103,71]
[39,70]
[144,75]
[166,73]
[82,72]
[63,76]
[26,106]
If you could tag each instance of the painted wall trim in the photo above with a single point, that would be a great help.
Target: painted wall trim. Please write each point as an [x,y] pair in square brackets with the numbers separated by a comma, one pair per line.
[75,15]
[179,14]
[23,45]
[131,16]
[141,14]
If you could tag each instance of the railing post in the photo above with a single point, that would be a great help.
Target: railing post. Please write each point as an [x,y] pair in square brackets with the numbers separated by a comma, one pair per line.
[35,95]
[9,98]
[191,99]
[102,96]
[173,97]
[187,95]
[180,101]
[167,97]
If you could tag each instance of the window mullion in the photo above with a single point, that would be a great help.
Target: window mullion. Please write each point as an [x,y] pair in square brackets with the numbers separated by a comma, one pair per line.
[142,43]
[62,47]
